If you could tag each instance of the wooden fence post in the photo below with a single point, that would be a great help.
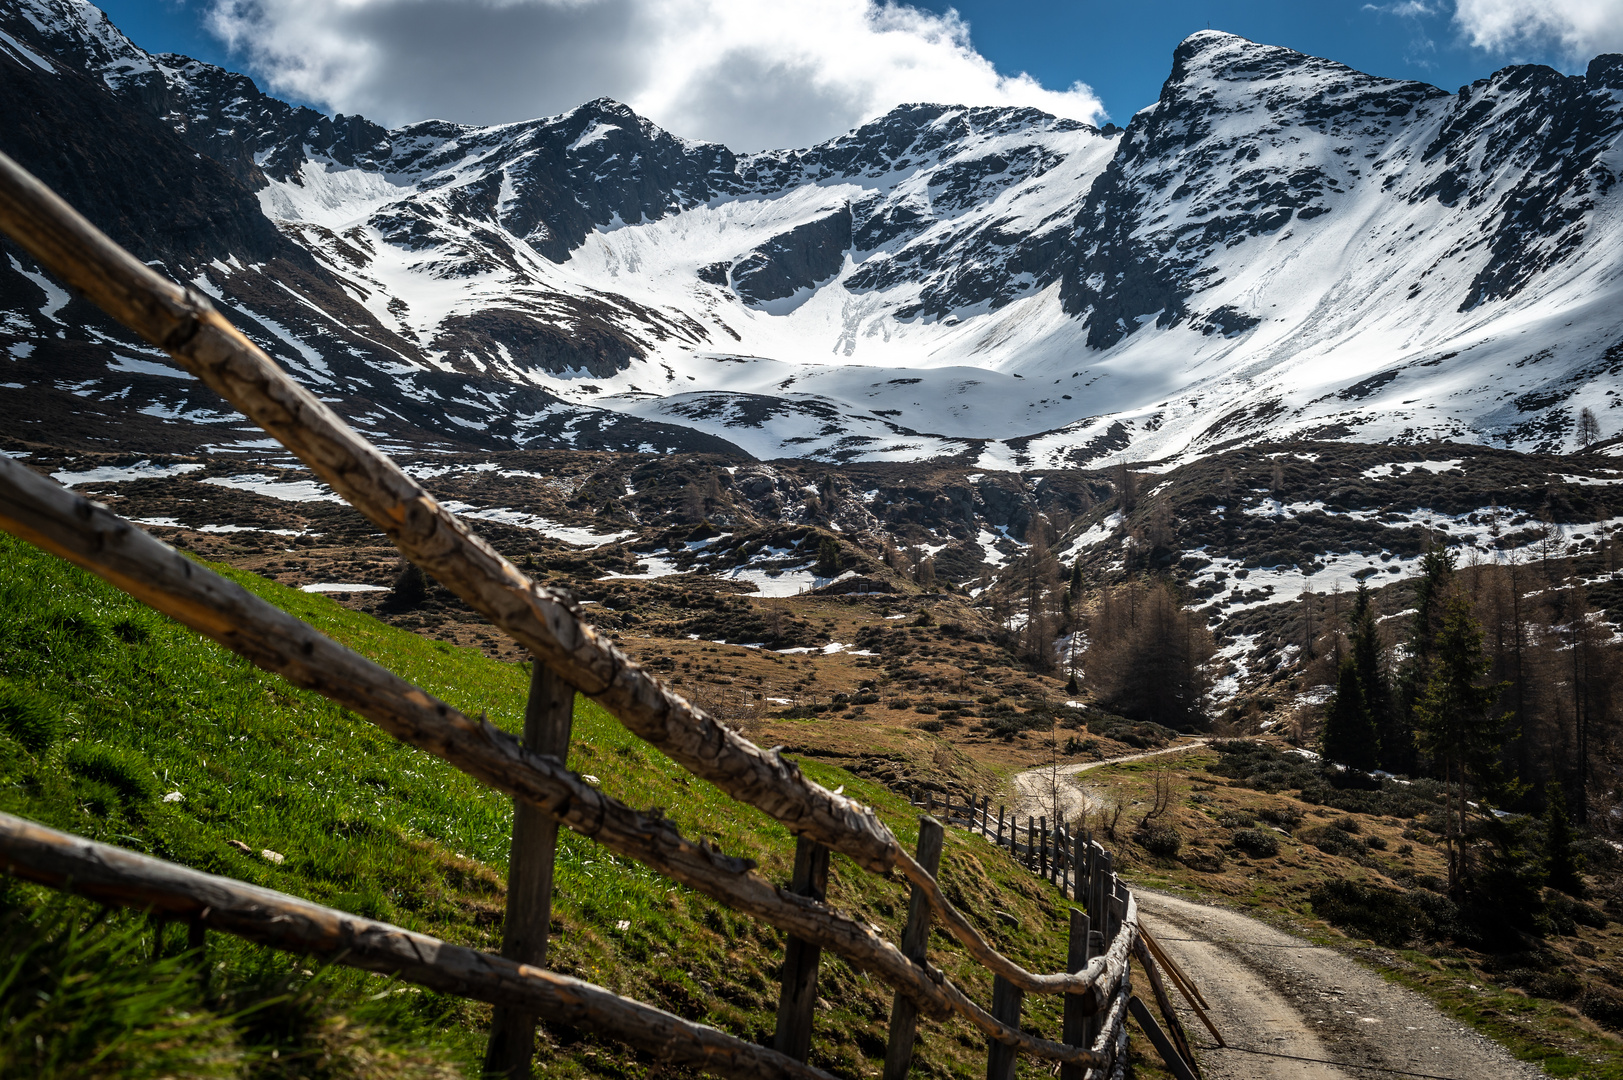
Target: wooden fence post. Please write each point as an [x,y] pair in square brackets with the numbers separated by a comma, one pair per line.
[1031,842]
[1042,847]
[548,718]
[904,1014]
[1006,999]
[1075,1026]
[799,996]
[1000,810]
[1079,875]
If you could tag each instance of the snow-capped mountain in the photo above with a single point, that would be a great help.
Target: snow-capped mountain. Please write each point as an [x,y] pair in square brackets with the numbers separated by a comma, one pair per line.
[1278,246]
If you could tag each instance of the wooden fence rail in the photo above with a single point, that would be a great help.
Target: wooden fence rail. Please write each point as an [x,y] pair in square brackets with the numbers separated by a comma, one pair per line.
[569,655]
[117,877]
[91,536]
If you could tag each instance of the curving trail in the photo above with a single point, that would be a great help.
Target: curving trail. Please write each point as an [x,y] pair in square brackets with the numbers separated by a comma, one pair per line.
[1274,994]
[1289,1009]
[1045,791]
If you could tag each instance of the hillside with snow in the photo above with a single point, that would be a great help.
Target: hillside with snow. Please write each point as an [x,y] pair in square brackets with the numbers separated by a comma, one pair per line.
[1278,247]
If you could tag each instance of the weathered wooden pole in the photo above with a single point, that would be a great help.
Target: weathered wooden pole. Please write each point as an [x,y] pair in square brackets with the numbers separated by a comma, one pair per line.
[548,718]
[1042,847]
[1163,1000]
[1163,1045]
[904,1014]
[1000,811]
[1076,1028]
[1031,842]
[800,958]
[1079,876]
[1006,999]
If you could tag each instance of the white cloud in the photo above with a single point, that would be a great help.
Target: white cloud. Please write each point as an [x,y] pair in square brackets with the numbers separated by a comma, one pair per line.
[1575,29]
[749,74]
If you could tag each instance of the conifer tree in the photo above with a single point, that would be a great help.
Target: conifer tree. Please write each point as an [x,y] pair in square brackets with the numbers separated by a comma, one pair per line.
[1393,745]
[1562,862]
[1455,723]
[1349,730]
[1431,598]
[829,563]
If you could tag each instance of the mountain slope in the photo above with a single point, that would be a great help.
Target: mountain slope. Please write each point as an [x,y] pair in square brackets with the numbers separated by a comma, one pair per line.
[1280,245]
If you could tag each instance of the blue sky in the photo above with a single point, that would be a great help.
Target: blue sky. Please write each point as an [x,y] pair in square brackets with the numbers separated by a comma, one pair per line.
[1123,50]
[480,62]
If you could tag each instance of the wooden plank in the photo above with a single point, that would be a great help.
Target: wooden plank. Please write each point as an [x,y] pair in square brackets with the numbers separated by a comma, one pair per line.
[548,718]
[1074,1029]
[122,878]
[1163,1045]
[1163,1001]
[1172,967]
[797,1001]
[1000,1056]
[1191,994]
[915,940]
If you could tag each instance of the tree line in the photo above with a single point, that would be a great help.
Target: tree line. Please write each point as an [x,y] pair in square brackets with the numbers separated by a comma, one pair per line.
[1503,683]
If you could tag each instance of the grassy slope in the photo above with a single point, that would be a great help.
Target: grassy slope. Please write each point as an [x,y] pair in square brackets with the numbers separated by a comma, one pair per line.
[1276,888]
[145,708]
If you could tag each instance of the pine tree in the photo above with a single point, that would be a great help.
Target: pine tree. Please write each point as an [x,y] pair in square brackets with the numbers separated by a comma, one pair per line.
[410,587]
[1349,730]
[1562,862]
[1076,580]
[829,563]
[1455,724]
[1394,746]
[1431,596]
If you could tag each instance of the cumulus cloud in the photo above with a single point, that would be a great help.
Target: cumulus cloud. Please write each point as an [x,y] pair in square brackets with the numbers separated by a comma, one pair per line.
[1575,29]
[751,75]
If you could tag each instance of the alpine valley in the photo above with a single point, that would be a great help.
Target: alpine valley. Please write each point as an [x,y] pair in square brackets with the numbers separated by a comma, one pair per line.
[1319,319]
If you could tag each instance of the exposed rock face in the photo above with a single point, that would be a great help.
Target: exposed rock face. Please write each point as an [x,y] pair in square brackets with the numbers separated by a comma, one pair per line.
[1215,162]
[799,259]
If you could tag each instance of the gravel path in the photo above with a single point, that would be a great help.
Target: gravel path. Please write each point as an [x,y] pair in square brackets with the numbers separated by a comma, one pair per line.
[1278,994]
[1278,999]
[1037,791]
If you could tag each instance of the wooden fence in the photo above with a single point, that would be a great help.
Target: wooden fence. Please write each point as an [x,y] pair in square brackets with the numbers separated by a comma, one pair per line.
[570,656]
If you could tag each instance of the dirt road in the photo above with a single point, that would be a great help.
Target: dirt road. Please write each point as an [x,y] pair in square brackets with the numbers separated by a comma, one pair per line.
[1048,791]
[1290,1010]
[1278,999]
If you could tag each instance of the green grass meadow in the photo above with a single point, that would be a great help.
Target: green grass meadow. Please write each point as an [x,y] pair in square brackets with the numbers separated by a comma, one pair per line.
[107,709]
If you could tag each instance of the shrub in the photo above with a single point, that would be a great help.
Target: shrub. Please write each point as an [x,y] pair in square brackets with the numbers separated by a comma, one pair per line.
[1235,819]
[1333,841]
[1162,841]
[1603,1005]
[1555,985]
[1286,817]
[123,770]
[28,718]
[1386,916]
[1255,842]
